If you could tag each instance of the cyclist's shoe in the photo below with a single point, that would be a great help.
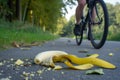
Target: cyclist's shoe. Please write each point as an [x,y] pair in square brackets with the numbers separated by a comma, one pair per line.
[77,29]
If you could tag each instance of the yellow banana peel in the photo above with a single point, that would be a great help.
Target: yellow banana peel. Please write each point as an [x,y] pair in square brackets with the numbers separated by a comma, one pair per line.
[94,55]
[81,67]
[69,60]
[87,60]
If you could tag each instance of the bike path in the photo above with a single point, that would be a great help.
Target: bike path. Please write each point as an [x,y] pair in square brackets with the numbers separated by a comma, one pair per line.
[31,71]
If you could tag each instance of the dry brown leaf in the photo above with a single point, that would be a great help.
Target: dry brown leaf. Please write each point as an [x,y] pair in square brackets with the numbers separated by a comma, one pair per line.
[15,44]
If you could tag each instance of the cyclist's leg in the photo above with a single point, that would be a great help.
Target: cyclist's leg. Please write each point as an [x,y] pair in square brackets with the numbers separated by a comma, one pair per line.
[78,14]
[93,14]
[79,10]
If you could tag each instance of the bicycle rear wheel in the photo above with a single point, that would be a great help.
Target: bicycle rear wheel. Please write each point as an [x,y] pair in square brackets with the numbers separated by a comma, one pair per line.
[99,25]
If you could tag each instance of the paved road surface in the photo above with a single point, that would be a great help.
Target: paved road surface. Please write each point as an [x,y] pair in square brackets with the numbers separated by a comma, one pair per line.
[30,71]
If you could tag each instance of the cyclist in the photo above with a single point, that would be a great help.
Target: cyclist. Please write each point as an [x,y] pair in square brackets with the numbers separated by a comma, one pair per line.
[78,15]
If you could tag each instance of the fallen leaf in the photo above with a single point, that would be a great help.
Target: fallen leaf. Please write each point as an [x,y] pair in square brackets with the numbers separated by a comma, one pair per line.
[15,44]
[95,71]
[83,51]
[25,48]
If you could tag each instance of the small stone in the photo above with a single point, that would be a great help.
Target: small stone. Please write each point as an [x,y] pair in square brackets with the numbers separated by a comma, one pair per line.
[39,71]
[1,63]
[62,72]
[19,62]
[111,54]
[58,67]
[25,74]
[49,69]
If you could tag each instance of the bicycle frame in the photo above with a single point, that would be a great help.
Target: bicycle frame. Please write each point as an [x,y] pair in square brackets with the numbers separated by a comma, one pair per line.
[88,19]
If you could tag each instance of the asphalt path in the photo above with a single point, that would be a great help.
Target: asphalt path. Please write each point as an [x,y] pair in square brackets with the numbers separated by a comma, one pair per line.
[31,71]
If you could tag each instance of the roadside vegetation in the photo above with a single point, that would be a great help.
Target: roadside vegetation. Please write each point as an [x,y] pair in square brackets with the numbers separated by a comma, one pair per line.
[16,34]
[30,21]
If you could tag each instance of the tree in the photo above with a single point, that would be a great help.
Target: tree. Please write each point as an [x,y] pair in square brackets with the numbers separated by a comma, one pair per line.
[111,12]
[117,14]
[18,10]
[44,12]
[5,12]
[26,9]
[68,28]
[60,25]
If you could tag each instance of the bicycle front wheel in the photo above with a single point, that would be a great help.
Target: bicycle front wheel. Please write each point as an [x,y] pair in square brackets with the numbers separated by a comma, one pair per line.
[99,24]
[79,39]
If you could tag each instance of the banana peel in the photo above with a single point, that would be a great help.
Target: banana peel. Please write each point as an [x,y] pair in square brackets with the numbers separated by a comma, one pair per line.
[81,63]
[87,60]
[79,67]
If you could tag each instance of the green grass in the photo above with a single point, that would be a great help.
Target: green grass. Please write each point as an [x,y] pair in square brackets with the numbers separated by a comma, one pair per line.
[114,33]
[22,33]
[114,36]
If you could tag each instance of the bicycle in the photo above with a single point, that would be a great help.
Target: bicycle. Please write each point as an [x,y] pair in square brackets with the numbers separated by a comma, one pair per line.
[97,28]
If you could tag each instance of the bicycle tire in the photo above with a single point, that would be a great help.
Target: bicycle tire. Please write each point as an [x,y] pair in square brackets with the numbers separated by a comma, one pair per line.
[79,39]
[96,42]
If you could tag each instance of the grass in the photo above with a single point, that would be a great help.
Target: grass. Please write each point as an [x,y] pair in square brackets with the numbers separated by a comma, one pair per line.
[21,33]
[114,33]
[114,36]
